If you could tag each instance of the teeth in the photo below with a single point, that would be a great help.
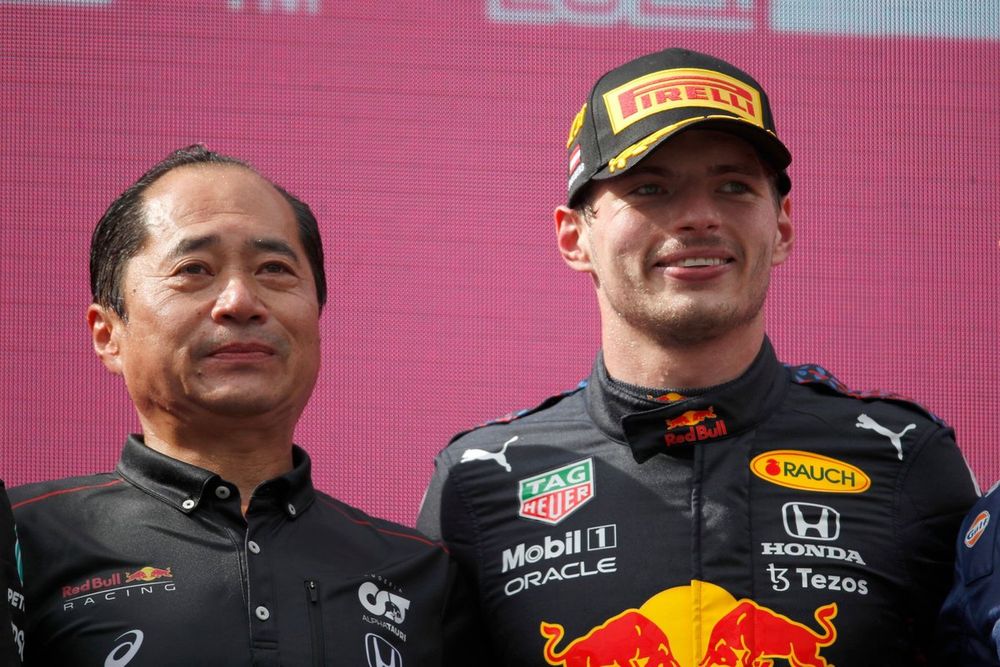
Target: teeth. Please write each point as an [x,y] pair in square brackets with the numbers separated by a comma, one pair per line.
[701,261]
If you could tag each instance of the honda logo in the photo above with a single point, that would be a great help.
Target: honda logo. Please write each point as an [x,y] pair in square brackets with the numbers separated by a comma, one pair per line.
[809,521]
[381,653]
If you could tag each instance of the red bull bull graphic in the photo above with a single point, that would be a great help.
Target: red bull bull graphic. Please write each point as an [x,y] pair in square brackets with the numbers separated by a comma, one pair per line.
[699,625]
[627,639]
[754,635]
[147,574]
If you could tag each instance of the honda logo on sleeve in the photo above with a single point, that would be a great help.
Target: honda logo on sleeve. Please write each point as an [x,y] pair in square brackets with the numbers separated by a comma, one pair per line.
[809,521]
[381,653]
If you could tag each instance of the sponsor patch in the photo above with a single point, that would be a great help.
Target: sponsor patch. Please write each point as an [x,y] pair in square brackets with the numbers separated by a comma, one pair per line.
[690,427]
[118,585]
[679,88]
[977,529]
[809,472]
[554,495]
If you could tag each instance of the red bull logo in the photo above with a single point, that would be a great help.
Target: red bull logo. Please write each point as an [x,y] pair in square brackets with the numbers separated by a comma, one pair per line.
[147,574]
[696,430]
[627,639]
[691,418]
[755,635]
[728,633]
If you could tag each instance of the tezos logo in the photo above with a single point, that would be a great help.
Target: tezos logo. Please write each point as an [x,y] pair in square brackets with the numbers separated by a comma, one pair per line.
[809,472]
[383,603]
[977,529]
[554,495]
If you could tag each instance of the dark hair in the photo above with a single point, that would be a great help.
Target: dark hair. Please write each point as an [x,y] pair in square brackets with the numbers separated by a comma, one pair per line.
[121,231]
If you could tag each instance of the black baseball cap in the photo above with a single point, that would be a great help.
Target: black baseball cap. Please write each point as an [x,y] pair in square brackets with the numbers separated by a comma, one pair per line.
[634,108]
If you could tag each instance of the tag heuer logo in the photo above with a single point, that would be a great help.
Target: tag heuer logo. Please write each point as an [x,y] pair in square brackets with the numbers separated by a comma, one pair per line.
[554,495]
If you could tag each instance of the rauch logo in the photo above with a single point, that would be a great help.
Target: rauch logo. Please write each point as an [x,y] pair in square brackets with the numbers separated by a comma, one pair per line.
[809,472]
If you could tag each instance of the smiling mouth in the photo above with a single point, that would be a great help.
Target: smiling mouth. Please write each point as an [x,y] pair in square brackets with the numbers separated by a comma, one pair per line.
[695,262]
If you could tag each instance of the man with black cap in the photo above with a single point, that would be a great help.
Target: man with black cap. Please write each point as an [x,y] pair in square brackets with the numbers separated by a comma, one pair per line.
[695,502]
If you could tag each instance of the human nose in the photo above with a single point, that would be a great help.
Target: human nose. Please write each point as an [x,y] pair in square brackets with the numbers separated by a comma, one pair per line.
[238,301]
[696,212]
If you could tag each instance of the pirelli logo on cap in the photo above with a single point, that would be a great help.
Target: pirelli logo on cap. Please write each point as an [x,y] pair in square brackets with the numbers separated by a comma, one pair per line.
[678,89]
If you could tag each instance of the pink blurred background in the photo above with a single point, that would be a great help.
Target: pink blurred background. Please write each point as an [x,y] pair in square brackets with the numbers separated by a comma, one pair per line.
[428,137]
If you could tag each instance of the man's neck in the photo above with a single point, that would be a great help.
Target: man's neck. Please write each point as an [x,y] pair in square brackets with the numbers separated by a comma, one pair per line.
[244,456]
[637,359]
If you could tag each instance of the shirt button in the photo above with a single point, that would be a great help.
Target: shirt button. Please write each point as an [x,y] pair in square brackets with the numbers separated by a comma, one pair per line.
[188,504]
[291,509]
[253,547]
[262,613]
[222,492]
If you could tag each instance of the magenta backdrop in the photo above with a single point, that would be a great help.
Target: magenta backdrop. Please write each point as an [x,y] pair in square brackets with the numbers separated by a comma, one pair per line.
[428,137]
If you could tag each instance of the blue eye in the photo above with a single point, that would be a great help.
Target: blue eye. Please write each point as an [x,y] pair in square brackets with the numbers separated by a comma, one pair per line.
[648,189]
[735,187]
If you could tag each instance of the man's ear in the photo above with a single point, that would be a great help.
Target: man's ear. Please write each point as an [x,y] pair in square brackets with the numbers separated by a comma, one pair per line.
[106,328]
[571,235]
[785,233]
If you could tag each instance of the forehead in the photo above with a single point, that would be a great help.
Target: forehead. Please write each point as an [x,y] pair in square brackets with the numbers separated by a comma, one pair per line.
[205,199]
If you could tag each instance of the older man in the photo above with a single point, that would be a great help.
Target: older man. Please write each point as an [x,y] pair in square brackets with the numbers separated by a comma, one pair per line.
[697,503]
[208,544]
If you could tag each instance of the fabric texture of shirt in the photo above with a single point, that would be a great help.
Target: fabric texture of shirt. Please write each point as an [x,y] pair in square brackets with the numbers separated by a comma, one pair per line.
[776,518]
[156,563]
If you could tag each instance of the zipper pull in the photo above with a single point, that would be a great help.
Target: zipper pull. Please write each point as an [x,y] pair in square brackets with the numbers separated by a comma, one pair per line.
[313,591]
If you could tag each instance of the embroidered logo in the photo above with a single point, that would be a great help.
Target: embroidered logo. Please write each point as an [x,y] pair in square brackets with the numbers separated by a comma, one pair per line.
[809,472]
[977,529]
[483,455]
[864,421]
[554,495]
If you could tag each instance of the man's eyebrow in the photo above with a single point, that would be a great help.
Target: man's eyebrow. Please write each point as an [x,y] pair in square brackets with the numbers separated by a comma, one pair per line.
[195,243]
[274,245]
[192,244]
[746,168]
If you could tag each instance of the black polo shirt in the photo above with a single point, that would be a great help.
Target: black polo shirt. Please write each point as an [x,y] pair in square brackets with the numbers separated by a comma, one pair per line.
[156,562]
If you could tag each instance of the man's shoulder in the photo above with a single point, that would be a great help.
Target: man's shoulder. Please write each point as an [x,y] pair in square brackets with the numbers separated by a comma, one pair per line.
[64,492]
[822,386]
[375,531]
[550,414]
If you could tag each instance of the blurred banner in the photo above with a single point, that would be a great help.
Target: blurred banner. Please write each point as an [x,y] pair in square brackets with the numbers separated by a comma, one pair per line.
[429,139]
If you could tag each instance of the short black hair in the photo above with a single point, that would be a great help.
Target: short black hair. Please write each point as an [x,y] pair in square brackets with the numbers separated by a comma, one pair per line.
[121,232]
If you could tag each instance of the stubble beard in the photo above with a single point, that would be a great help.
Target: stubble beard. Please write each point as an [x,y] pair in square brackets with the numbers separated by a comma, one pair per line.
[694,322]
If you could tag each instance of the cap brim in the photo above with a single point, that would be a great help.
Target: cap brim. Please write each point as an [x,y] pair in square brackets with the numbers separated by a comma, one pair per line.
[768,147]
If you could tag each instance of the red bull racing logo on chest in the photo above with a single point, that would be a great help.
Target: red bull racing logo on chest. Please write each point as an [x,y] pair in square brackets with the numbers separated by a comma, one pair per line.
[694,426]
[554,495]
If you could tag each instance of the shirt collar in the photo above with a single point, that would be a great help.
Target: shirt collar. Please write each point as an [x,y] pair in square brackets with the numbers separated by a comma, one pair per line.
[651,427]
[183,485]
